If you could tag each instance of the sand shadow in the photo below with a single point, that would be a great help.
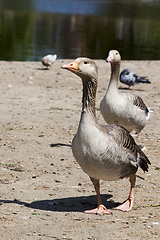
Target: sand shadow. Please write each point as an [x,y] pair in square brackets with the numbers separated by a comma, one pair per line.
[71,204]
[60,145]
[42,68]
[130,89]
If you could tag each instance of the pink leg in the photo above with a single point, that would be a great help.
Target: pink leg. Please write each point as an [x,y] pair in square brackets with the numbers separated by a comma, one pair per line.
[135,135]
[101,209]
[127,205]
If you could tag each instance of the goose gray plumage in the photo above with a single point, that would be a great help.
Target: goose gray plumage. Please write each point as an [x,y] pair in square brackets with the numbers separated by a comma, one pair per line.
[49,60]
[122,108]
[104,152]
[131,79]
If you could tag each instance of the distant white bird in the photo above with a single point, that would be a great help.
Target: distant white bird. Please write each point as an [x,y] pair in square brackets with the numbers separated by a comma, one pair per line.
[49,60]
[130,79]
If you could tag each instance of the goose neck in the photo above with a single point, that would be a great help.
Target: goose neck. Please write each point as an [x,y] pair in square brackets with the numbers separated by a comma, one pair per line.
[115,69]
[89,96]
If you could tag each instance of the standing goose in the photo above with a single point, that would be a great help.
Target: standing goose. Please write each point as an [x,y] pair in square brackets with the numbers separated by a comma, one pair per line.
[48,60]
[122,108]
[130,79]
[106,152]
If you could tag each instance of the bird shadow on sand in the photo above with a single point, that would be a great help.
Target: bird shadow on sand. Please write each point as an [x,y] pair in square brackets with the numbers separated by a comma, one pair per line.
[70,204]
[42,68]
[130,89]
[60,145]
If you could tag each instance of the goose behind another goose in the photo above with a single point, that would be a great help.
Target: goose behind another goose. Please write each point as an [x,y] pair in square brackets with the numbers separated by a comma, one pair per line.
[103,152]
[122,108]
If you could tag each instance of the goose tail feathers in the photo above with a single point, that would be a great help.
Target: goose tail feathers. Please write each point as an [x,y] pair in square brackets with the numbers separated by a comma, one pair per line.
[143,161]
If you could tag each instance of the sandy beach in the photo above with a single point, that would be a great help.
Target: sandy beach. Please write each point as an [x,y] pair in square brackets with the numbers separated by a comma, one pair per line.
[44,192]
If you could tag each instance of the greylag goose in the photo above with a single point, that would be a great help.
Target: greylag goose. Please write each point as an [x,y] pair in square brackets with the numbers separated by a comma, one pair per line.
[103,152]
[49,60]
[122,108]
[131,79]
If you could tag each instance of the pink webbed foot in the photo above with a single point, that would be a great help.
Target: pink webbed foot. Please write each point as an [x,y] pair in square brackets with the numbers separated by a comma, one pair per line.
[101,209]
[126,206]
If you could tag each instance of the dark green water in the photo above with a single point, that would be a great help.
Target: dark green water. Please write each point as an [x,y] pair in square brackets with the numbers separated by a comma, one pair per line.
[30,29]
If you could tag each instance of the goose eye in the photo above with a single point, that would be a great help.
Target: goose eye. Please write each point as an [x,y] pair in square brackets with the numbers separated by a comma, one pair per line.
[116,53]
[85,62]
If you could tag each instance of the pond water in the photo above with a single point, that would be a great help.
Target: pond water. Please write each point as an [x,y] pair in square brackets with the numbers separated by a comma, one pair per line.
[30,29]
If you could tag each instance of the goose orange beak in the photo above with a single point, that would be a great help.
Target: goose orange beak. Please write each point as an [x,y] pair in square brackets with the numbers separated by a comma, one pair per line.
[73,66]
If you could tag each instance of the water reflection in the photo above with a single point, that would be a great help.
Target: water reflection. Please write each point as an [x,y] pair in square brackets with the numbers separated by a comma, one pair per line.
[30,29]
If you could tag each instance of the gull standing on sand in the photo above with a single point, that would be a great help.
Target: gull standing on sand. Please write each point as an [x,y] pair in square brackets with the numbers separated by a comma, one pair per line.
[49,60]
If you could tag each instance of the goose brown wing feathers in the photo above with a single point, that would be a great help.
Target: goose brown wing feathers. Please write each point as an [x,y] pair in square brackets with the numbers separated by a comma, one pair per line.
[139,103]
[123,137]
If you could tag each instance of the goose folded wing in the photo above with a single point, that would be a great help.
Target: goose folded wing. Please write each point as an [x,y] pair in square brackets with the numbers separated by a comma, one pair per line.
[123,138]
